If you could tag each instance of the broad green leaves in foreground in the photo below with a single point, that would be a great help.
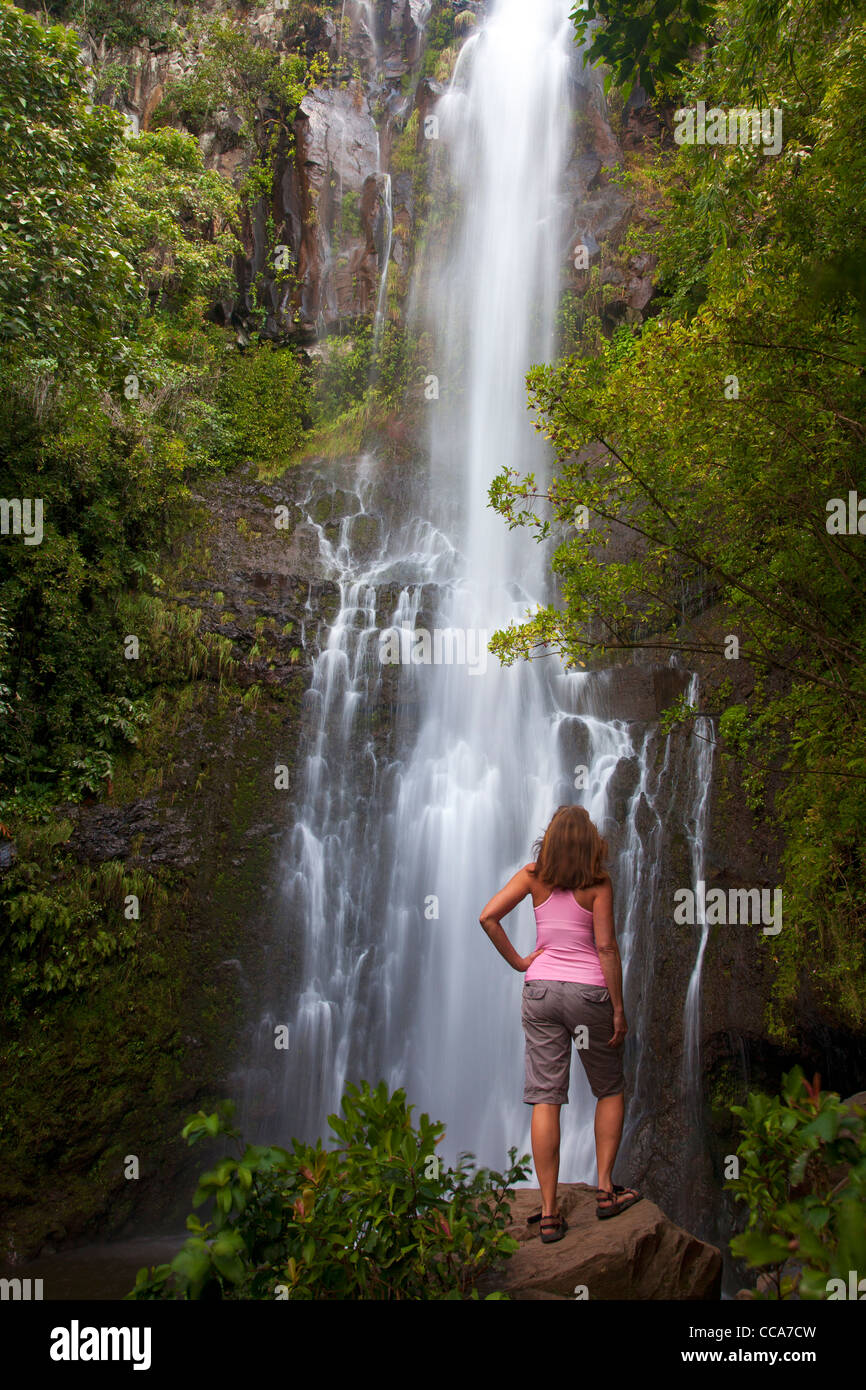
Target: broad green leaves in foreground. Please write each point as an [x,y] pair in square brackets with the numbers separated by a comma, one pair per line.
[803,1178]
[376,1216]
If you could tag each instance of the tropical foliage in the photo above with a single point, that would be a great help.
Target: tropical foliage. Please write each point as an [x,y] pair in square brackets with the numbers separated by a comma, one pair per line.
[803,1180]
[378,1215]
[116,387]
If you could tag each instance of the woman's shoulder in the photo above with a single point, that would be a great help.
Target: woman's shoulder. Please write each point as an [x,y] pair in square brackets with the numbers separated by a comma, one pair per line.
[596,892]
[539,890]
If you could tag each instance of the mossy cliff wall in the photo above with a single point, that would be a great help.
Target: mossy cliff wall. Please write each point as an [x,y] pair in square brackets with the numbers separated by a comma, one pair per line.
[111,1068]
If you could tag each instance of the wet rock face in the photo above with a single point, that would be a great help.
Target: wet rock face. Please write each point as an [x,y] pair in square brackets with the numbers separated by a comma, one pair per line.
[339,197]
[338,134]
[600,212]
[214,827]
[327,198]
[403,21]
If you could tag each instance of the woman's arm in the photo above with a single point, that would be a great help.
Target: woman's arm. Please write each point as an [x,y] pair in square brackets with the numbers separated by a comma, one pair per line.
[500,904]
[608,956]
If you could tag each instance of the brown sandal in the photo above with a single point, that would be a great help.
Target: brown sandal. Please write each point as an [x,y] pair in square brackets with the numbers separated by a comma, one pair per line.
[613,1203]
[556,1228]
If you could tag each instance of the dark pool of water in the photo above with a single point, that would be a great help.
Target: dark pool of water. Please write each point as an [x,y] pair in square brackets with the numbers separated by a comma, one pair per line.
[96,1272]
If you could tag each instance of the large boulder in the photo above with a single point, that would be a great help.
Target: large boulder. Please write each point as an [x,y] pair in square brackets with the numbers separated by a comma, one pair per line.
[639,1254]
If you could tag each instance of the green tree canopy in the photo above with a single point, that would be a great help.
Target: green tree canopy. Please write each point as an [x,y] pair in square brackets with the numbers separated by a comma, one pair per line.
[113,251]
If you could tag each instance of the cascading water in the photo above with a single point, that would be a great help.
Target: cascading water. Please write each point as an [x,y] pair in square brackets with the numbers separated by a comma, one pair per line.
[366,18]
[696,829]
[481,780]
[400,835]
[381,297]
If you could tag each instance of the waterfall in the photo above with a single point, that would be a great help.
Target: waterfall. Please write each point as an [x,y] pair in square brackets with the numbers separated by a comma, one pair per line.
[404,826]
[362,19]
[485,773]
[381,297]
[696,830]
[366,18]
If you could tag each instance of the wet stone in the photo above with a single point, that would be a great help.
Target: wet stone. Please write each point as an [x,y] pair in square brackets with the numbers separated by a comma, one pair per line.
[644,817]
[344,503]
[364,535]
[621,787]
[321,510]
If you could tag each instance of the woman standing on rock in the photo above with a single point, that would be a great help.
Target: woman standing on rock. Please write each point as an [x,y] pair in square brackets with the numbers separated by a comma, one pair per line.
[573,990]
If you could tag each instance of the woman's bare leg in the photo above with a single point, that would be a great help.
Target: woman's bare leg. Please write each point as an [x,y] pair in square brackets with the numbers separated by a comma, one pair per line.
[545,1154]
[609,1112]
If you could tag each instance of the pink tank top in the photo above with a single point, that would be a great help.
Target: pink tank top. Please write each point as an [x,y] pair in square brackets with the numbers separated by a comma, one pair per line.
[564,929]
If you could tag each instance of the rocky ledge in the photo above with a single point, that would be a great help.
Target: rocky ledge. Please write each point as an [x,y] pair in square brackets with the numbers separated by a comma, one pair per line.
[639,1254]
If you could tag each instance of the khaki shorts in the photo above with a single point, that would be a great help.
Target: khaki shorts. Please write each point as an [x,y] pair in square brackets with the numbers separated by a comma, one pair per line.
[552,1012]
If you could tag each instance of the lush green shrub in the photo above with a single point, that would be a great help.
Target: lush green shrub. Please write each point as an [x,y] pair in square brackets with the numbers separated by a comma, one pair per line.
[439,35]
[232,70]
[350,213]
[120,22]
[354,370]
[806,1222]
[395,364]
[404,153]
[377,1216]
[266,396]
[115,250]
[60,920]
[345,376]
